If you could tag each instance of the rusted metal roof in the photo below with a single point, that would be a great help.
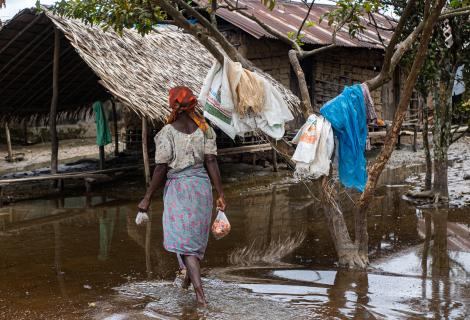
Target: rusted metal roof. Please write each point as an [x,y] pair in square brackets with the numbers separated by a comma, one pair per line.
[287,16]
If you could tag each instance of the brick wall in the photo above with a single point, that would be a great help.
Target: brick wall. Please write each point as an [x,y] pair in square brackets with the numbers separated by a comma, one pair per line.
[270,56]
[345,66]
[332,70]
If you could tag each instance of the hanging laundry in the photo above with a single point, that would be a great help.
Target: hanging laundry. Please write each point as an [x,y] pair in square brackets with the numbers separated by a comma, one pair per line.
[371,114]
[315,145]
[223,92]
[347,115]
[216,95]
[251,95]
[103,135]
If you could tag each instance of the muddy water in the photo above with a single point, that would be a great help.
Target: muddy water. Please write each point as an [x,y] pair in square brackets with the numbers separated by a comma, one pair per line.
[83,257]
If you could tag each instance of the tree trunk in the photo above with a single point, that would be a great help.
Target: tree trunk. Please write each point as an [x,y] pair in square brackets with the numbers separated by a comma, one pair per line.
[442,135]
[305,96]
[427,150]
[347,251]
[7,135]
[376,169]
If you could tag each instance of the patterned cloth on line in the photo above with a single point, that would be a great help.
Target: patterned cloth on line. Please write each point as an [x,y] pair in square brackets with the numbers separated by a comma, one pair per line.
[187,212]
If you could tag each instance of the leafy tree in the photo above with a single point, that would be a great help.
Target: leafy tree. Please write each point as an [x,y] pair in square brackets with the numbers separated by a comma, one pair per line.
[449,49]
[144,14]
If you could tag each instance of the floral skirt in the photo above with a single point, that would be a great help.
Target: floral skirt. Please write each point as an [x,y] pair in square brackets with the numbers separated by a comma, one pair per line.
[187,212]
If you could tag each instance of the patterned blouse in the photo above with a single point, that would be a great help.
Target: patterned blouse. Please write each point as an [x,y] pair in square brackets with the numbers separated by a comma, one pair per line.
[180,150]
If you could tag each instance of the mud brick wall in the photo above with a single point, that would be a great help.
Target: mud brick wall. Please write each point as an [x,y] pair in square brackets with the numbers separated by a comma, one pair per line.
[342,67]
[270,56]
[332,70]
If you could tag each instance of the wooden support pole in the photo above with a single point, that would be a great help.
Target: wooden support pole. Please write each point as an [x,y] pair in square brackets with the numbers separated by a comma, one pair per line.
[145,150]
[275,167]
[102,157]
[25,132]
[10,150]
[415,137]
[55,99]
[116,133]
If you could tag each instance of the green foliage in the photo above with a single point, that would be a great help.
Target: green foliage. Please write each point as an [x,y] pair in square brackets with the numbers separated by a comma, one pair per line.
[349,13]
[298,39]
[141,15]
[270,4]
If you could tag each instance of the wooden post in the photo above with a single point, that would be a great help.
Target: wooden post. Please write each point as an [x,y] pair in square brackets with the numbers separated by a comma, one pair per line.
[116,133]
[102,157]
[25,132]
[275,167]
[145,150]
[10,151]
[55,99]
[415,137]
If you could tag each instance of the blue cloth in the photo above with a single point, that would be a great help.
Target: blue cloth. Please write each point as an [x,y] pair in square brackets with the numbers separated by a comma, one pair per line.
[347,114]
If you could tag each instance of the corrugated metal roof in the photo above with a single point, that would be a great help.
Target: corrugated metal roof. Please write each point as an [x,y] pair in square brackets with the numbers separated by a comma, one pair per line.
[287,16]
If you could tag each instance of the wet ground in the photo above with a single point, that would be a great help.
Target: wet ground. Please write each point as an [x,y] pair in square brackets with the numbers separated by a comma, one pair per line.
[83,257]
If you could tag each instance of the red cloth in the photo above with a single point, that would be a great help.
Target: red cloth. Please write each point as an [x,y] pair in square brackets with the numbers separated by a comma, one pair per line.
[182,99]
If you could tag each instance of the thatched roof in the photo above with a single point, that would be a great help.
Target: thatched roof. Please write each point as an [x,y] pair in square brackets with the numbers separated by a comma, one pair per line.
[137,70]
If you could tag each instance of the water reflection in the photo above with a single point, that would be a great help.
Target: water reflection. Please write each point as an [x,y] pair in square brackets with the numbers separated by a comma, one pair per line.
[85,257]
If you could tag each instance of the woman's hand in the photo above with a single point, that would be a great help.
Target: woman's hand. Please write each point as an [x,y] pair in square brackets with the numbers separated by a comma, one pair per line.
[221,204]
[144,205]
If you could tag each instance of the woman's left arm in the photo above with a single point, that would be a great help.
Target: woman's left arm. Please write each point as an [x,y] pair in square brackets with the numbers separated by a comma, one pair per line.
[212,167]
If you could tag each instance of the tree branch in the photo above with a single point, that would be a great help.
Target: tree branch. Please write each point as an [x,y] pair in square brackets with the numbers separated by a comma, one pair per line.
[211,29]
[195,30]
[376,27]
[388,67]
[305,19]
[307,108]
[460,135]
[274,32]
[213,13]
[390,140]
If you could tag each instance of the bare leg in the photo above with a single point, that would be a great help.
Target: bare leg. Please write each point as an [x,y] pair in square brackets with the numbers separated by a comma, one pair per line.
[187,280]
[194,271]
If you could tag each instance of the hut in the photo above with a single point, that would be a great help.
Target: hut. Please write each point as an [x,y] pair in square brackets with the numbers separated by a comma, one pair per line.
[52,68]
[352,60]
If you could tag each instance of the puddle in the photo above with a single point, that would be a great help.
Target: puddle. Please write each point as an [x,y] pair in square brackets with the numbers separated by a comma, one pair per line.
[84,258]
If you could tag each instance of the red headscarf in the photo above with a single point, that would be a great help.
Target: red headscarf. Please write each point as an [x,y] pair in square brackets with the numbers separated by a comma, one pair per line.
[182,99]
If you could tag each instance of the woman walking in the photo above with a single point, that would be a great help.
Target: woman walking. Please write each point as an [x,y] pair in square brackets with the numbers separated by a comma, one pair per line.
[185,157]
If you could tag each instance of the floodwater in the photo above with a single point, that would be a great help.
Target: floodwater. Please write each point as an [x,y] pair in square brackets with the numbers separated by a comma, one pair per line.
[82,257]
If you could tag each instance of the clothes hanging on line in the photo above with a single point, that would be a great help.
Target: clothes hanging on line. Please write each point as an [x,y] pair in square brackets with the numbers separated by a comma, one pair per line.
[347,115]
[228,89]
[103,134]
[315,147]
[371,114]
[250,92]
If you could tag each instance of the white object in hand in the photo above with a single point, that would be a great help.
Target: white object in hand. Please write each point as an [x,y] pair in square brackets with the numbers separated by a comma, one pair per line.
[141,218]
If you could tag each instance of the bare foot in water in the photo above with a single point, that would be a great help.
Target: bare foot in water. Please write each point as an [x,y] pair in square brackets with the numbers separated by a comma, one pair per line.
[200,298]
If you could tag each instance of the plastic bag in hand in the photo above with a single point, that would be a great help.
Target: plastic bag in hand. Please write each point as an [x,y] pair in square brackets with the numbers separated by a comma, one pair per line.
[221,227]
[141,218]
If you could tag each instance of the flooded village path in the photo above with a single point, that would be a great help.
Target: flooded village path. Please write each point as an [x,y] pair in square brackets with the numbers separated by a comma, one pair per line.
[84,258]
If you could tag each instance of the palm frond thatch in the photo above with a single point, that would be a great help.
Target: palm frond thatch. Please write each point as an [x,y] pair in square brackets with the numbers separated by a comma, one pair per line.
[139,71]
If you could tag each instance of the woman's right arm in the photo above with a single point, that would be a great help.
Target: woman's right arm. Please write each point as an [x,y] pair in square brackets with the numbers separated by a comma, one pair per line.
[158,179]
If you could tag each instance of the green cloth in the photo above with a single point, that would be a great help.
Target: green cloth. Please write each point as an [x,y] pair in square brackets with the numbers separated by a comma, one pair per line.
[103,135]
